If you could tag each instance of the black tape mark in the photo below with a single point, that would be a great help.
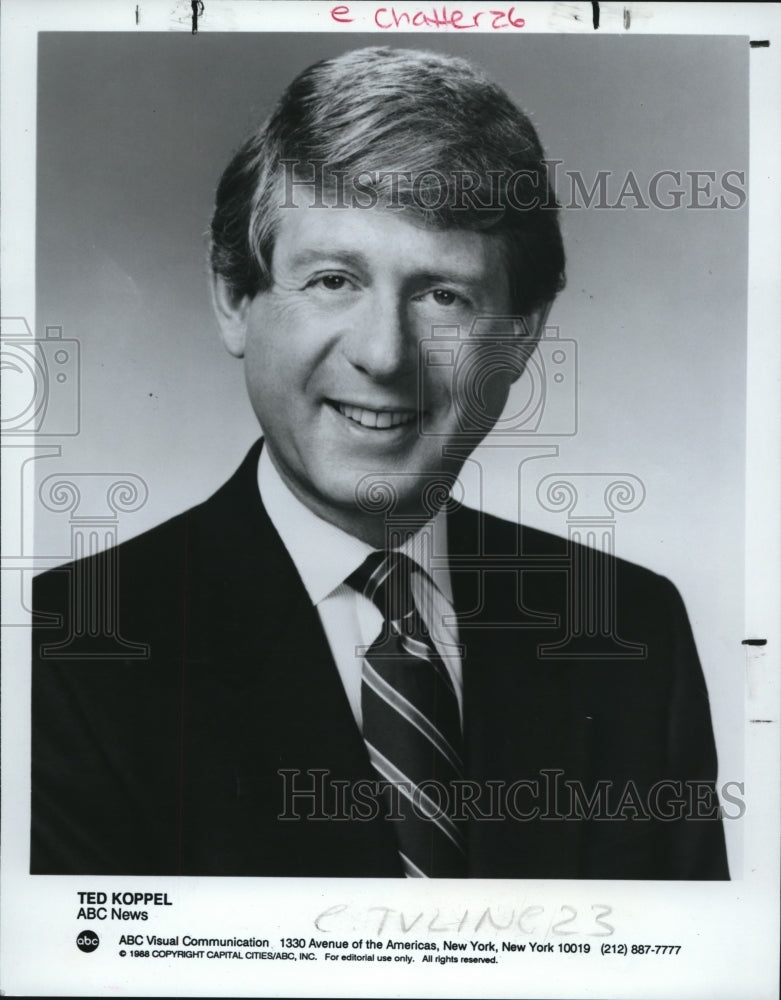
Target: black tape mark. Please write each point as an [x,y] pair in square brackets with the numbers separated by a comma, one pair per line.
[197,9]
[760,720]
[627,19]
[754,642]
[762,44]
[136,13]
[595,14]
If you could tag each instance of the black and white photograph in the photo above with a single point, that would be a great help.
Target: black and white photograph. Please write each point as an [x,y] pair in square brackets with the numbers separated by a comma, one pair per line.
[389,558]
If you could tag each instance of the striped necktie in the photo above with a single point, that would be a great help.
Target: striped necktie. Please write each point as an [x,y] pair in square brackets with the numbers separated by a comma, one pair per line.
[411,722]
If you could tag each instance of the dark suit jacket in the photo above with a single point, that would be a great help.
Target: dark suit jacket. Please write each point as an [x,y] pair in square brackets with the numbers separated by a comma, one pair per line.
[168,763]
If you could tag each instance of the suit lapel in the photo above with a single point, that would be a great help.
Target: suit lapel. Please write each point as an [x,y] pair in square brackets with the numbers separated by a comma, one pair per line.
[521,722]
[267,632]
[264,673]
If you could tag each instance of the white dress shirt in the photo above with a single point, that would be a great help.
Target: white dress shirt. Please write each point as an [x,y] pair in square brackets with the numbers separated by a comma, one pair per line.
[325,556]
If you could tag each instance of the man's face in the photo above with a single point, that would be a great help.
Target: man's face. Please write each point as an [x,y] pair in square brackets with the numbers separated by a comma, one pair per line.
[332,353]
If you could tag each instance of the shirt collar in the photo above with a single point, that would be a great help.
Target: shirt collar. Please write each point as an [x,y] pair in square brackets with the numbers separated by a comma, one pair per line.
[323,554]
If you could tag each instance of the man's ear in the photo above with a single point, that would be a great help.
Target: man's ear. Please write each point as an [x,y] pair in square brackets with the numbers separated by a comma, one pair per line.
[530,329]
[232,315]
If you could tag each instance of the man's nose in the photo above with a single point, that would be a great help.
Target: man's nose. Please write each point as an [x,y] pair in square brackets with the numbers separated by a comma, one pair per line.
[382,342]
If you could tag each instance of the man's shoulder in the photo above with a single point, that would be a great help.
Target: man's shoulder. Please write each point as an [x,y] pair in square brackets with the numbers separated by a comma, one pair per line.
[561,574]
[154,552]
[490,535]
[162,547]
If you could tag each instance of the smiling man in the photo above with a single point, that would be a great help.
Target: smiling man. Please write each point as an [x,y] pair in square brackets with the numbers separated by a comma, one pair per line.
[348,671]
[331,352]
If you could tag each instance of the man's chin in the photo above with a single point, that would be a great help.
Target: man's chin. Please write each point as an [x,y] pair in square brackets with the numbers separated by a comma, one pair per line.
[373,495]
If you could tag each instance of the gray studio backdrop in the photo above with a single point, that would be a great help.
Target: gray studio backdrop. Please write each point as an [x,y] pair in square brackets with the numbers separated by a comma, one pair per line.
[133,132]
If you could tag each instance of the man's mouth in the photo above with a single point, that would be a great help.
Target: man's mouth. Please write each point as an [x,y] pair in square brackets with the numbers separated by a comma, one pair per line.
[375,419]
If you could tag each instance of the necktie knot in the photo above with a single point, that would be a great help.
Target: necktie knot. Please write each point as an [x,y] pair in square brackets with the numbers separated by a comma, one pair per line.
[385,578]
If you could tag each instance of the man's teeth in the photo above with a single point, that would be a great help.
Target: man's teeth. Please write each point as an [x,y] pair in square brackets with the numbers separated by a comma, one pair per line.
[374,418]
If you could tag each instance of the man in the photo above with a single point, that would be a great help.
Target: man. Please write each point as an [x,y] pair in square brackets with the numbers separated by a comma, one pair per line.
[350,673]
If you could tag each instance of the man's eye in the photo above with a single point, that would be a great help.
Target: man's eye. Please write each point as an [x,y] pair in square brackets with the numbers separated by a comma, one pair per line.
[331,282]
[445,297]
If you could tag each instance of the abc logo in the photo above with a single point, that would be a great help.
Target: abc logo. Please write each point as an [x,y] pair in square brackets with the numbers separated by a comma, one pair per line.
[87,941]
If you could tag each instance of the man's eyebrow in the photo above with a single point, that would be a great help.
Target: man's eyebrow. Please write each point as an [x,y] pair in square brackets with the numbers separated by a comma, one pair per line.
[453,274]
[354,258]
[316,255]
